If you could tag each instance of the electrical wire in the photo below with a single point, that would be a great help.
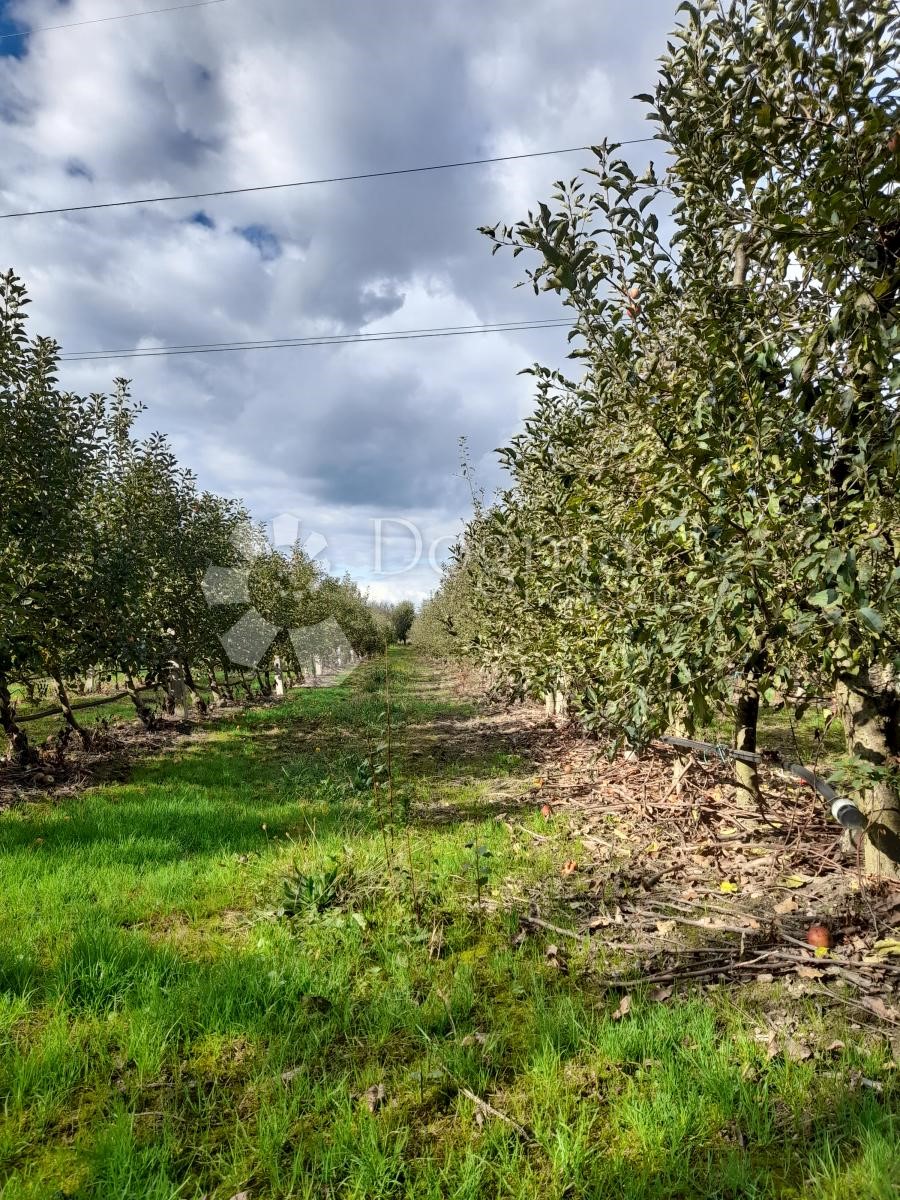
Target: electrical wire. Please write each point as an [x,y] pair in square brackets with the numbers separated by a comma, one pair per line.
[147,12]
[338,339]
[272,187]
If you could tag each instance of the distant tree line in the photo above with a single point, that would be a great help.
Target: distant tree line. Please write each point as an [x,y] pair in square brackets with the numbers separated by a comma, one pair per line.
[105,546]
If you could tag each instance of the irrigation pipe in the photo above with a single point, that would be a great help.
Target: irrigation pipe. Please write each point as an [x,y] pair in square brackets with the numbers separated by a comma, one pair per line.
[844,811]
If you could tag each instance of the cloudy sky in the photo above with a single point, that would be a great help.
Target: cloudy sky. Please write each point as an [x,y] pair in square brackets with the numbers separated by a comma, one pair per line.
[247,92]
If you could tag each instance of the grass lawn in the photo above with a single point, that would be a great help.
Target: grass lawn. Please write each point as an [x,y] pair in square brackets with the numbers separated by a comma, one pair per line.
[165,1033]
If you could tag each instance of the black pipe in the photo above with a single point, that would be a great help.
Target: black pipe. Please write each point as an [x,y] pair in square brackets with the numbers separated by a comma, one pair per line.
[843,810]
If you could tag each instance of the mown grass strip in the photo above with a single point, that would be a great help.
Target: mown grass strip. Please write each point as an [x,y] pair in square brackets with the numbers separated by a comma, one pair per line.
[163,1032]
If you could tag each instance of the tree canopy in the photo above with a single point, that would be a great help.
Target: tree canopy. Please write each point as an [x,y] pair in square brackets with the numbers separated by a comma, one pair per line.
[707,514]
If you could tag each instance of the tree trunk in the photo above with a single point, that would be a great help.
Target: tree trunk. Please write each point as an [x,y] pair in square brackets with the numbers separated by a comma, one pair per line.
[218,698]
[869,705]
[682,726]
[140,707]
[18,750]
[746,718]
[67,710]
[202,706]
[176,692]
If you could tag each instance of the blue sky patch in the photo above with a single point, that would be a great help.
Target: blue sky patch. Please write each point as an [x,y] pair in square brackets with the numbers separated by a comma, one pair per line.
[263,239]
[202,218]
[13,34]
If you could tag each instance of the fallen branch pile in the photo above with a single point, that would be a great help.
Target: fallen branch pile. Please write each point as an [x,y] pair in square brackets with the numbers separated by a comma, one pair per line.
[701,884]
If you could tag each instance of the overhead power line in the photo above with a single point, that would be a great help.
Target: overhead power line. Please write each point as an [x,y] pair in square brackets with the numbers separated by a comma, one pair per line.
[338,339]
[299,183]
[147,12]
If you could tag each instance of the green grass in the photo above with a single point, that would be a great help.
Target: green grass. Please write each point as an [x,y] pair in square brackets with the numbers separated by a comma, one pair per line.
[164,1033]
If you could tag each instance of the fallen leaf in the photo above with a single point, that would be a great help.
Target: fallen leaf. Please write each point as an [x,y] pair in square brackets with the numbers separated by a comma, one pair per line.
[796,1051]
[666,928]
[808,973]
[728,887]
[787,905]
[569,867]
[474,1039]
[795,881]
[555,959]
[600,922]
[886,947]
[374,1097]
[624,1008]
[877,1006]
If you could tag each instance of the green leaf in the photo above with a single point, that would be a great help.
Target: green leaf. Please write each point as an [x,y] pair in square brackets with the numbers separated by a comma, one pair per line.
[873,619]
[825,599]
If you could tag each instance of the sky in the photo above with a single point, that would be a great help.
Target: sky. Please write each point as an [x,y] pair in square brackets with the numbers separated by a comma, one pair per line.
[356,446]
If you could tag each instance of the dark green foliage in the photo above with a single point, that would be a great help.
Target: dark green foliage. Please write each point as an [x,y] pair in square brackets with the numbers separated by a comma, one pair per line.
[709,512]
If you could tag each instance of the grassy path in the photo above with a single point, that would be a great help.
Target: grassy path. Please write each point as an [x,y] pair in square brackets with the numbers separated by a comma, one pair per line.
[165,1032]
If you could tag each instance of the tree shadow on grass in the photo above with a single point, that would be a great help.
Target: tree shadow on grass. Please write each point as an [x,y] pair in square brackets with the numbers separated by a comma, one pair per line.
[658,1105]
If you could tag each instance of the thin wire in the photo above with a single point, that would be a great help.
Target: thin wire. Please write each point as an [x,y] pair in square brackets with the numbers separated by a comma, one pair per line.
[298,343]
[148,12]
[498,327]
[272,187]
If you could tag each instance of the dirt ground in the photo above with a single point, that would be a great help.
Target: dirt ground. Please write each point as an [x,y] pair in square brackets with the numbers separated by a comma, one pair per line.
[697,881]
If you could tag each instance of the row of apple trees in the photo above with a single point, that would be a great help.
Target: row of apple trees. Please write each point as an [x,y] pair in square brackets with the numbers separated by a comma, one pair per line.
[105,549]
[705,516]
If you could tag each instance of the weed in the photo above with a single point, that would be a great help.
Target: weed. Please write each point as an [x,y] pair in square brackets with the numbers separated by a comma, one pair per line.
[304,892]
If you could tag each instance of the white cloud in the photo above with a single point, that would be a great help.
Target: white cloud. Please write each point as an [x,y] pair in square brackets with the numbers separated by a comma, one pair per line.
[242,93]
